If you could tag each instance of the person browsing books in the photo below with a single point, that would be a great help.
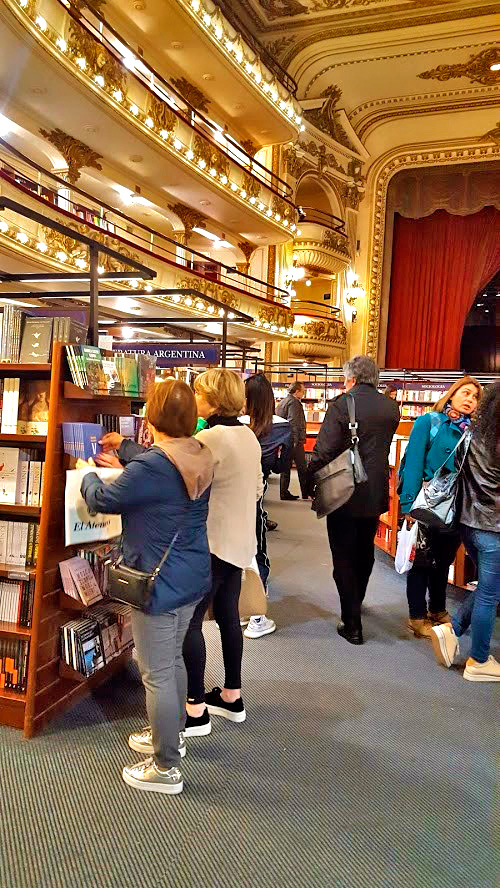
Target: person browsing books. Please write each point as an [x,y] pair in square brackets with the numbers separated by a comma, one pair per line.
[236,489]
[163,489]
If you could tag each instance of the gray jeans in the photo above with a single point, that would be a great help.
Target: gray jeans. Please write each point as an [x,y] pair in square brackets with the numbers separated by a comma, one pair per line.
[159,640]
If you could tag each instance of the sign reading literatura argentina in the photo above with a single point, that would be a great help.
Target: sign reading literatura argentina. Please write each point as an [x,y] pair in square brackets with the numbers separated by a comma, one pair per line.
[172,354]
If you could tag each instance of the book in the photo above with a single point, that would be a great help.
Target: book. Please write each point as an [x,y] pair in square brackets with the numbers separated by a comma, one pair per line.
[82,578]
[14,664]
[9,466]
[36,340]
[96,378]
[10,405]
[33,408]
[81,439]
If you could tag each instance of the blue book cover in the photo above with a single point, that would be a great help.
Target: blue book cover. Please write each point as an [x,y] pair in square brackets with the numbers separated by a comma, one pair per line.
[90,435]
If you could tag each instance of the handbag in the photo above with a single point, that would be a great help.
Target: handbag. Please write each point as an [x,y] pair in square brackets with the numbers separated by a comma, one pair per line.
[336,481]
[135,587]
[435,505]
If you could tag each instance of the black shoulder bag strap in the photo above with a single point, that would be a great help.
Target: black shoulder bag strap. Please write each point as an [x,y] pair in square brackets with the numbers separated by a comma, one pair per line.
[357,463]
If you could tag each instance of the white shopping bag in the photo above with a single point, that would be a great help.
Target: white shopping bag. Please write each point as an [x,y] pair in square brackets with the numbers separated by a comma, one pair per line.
[405,552]
[79,525]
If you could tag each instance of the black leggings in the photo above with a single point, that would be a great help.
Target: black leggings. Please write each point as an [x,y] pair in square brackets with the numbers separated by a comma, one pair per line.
[224,596]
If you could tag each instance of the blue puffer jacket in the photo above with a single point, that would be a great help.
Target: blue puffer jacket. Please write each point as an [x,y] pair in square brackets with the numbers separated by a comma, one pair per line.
[432,441]
[153,501]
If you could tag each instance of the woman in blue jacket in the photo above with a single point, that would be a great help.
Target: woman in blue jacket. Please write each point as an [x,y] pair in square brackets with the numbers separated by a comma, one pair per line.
[432,441]
[163,491]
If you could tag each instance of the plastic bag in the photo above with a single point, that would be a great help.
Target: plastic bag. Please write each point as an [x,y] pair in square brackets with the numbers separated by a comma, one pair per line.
[80,526]
[405,552]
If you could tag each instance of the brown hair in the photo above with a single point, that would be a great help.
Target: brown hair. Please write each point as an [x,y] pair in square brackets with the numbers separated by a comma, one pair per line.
[171,409]
[465,380]
[223,389]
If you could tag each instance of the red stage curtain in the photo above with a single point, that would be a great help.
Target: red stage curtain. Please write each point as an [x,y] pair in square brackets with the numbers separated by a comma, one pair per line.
[438,265]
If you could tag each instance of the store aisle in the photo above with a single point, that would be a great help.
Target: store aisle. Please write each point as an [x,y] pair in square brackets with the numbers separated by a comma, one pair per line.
[357,767]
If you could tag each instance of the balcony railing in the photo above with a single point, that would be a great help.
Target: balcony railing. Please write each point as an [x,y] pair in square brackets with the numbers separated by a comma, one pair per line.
[139,94]
[320,217]
[83,208]
[259,49]
[104,33]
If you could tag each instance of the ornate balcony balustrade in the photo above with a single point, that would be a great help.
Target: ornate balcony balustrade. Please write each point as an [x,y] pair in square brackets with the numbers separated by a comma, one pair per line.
[137,93]
[318,337]
[321,250]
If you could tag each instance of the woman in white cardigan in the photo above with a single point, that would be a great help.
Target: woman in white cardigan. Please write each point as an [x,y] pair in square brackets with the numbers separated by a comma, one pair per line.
[236,488]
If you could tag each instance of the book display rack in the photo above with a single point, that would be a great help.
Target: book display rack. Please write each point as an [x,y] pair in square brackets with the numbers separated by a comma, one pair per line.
[35,685]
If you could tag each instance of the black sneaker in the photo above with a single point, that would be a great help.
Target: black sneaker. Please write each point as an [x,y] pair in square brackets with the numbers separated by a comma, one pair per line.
[198,727]
[288,497]
[235,712]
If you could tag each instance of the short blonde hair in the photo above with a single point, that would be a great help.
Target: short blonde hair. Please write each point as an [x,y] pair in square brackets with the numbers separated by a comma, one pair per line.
[465,380]
[223,389]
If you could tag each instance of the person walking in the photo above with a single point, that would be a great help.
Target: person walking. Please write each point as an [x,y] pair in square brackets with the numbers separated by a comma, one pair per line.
[432,444]
[292,410]
[352,527]
[163,497]
[274,435]
[236,489]
[480,528]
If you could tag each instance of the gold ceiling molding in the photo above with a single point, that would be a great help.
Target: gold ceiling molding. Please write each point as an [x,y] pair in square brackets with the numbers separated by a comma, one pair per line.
[278,8]
[97,5]
[402,55]
[324,118]
[277,47]
[378,118]
[76,154]
[493,135]
[190,219]
[191,94]
[477,69]
[393,101]
[403,159]
[98,60]
[249,146]
[325,159]
[296,164]
[353,190]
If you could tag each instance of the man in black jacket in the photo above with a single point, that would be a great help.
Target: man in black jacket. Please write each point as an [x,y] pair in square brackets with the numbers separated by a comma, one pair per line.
[352,528]
[292,410]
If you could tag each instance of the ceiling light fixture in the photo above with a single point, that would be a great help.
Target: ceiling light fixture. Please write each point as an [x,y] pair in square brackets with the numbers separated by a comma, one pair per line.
[42,247]
[61,44]
[117,95]
[22,237]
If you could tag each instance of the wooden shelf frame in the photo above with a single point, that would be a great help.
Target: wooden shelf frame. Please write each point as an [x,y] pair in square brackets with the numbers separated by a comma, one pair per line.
[48,693]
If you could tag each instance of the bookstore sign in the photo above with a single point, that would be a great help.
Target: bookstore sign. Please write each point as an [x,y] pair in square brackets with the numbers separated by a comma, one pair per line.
[173,355]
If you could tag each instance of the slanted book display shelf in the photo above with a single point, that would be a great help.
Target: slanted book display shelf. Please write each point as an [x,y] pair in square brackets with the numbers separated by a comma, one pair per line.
[50,687]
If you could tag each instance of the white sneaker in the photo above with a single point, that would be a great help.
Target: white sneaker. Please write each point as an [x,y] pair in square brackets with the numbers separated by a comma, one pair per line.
[142,741]
[489,671]
[134,655]
[445,644]
[259,626]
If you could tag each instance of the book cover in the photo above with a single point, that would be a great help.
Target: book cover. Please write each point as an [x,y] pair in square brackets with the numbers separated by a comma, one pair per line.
[113,380]
[3,541]
[37,478]
[130,376]
[36,341]
[33,408]
[84,580]
[9,462]
[127,426]
[91,649]
[91,434]
[96,378]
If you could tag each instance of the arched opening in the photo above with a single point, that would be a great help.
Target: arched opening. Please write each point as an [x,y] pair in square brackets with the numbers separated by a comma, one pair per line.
[479,350]
[311,193]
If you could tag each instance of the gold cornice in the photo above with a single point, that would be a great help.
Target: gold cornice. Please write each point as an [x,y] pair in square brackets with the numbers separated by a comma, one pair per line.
[493,135]
[477,69]
[76,154]
[380,117]
[190,219]
[382,175]
[191,94]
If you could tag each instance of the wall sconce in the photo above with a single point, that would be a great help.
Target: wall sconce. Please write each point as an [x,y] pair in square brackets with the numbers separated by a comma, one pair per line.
[353,292]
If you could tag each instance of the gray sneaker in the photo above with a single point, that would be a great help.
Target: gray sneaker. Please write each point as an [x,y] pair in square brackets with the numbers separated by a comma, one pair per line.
[146,775]
[142,741]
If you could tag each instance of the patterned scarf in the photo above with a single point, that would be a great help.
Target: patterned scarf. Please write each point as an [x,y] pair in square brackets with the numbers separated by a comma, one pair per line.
[461,420]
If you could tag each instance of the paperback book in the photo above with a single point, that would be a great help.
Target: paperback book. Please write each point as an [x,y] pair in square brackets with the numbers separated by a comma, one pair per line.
[14,664]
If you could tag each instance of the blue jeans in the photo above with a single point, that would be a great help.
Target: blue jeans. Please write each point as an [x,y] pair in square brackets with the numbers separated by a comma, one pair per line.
[480,607]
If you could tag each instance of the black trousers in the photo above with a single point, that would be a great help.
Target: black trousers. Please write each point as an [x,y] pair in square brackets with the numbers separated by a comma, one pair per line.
[224,596]
[352,544]
[299,458]
[430,572]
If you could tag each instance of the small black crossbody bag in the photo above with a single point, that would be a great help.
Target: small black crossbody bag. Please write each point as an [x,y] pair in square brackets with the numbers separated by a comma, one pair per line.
[135,587]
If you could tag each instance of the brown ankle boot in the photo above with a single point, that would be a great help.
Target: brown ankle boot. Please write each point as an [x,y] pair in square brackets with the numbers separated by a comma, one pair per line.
[420,628]
[441,617]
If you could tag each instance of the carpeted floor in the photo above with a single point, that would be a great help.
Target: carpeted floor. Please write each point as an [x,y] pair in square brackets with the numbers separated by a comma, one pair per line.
[356,768]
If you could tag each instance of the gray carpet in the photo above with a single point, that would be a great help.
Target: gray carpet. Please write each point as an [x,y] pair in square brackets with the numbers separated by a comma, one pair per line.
[357,767]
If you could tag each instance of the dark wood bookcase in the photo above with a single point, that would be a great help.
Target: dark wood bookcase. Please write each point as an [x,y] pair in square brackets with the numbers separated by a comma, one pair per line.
[51,685]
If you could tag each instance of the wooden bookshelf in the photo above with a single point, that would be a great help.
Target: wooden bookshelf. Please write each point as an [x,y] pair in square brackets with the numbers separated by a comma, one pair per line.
[48,691]
[25,440]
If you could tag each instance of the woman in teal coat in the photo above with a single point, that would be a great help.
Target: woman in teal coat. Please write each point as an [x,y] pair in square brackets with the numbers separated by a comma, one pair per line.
[432,442]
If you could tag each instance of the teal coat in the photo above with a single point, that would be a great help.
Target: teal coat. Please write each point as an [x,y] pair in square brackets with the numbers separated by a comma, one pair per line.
[431,443]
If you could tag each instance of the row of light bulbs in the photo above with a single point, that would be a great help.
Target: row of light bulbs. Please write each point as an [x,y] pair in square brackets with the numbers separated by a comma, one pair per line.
[252,69]
[133,283]
[183,150]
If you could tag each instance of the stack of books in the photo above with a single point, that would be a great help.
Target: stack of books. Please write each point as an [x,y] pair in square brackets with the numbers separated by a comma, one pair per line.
[27,339]
[127,426]
[16,601]
[108,373]
[81,439]
[21,476]
[19,543]
[24,406]
[13,664]
[92,641]
[100,556]
[79,581]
